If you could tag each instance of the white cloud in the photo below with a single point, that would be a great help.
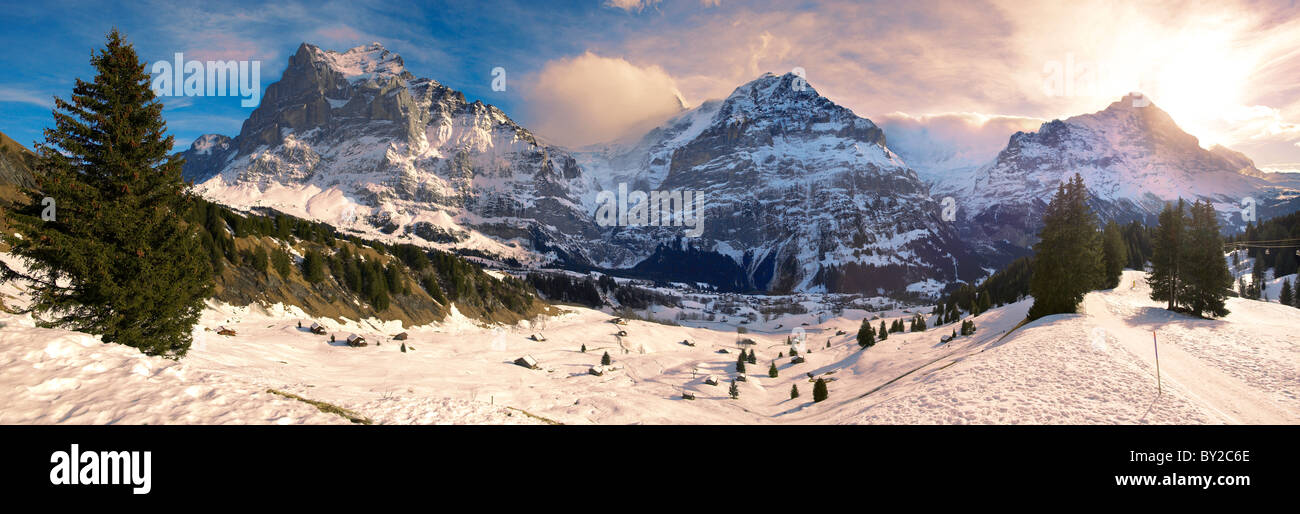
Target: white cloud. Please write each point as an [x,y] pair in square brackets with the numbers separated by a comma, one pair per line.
[936,142]
[12,94]
[631,5]
[591,99]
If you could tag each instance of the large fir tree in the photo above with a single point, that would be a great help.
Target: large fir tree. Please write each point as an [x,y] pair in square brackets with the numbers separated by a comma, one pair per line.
[866,334]
[1067,257]
[116,260]
[1205,275]
[1168,247]
[1114,254]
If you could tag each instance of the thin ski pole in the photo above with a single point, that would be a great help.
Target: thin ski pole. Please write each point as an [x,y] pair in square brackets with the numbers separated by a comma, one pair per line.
[1159,389]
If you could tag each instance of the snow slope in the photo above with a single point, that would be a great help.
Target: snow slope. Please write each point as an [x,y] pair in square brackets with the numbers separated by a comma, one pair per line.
[1092,367]
[58,376]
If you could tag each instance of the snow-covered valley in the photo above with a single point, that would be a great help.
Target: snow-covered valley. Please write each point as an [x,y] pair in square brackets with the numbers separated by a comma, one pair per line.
[1096,367]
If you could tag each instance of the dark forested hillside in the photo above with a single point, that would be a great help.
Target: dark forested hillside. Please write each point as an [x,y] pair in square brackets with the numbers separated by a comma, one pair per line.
[273,257]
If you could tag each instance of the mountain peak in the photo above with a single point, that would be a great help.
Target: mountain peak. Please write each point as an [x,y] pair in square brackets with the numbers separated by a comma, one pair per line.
[770,85]
[1133,100]
[207,143]
[359,63]
[1137,112]
[787,104]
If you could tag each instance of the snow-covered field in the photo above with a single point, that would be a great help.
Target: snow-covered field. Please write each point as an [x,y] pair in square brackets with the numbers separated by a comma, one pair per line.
[1093,367]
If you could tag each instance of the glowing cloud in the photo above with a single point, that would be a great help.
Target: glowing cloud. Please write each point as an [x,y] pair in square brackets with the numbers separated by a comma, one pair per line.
[591,99]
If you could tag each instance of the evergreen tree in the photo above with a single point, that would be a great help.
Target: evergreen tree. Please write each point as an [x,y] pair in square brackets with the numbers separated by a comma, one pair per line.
[1284,262]
[1286,297]
[1258,274]
[753,357]
[771,370]
[794,391]
[734,390]
[584,348]
[819,390]
[740,363]
[117,259]
[281,262]
[884,334]
[1114,255]
[604,359]
[261,260]
[393,278]
[1067,257]
[313,267]
[1205,277]
[866,334]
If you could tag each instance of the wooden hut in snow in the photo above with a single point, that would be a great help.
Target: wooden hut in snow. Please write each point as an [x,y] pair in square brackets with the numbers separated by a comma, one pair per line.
[401,337]
[356,340]
[527,361]
[316,328]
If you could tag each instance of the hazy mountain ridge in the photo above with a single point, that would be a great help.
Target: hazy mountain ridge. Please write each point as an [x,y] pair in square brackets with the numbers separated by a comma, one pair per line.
[1133,158]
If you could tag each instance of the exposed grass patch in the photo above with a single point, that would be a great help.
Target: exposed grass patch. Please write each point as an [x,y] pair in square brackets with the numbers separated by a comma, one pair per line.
[328,408]
[548,421]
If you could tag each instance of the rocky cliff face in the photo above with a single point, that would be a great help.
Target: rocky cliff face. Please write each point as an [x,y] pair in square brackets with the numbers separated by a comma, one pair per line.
[800,194]
[354,139]
[16,163]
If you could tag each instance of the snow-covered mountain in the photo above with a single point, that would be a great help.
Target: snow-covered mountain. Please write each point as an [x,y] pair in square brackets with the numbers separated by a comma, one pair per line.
[1133,158]
[354,139]
[800,194]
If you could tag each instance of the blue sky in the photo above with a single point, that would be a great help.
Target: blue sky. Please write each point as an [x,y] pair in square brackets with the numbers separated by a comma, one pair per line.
[457,43]
[579,71]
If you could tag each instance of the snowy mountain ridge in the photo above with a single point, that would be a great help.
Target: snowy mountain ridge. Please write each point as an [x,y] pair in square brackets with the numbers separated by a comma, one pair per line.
[354,139]
[803,195]
[1133,158]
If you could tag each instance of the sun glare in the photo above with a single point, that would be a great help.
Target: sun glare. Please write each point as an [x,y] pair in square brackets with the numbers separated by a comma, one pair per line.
[1201,82]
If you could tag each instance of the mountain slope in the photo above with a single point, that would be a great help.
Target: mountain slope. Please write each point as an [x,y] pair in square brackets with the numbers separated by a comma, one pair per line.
[800,194]
[354,139]
[1133,159]
[16,163]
